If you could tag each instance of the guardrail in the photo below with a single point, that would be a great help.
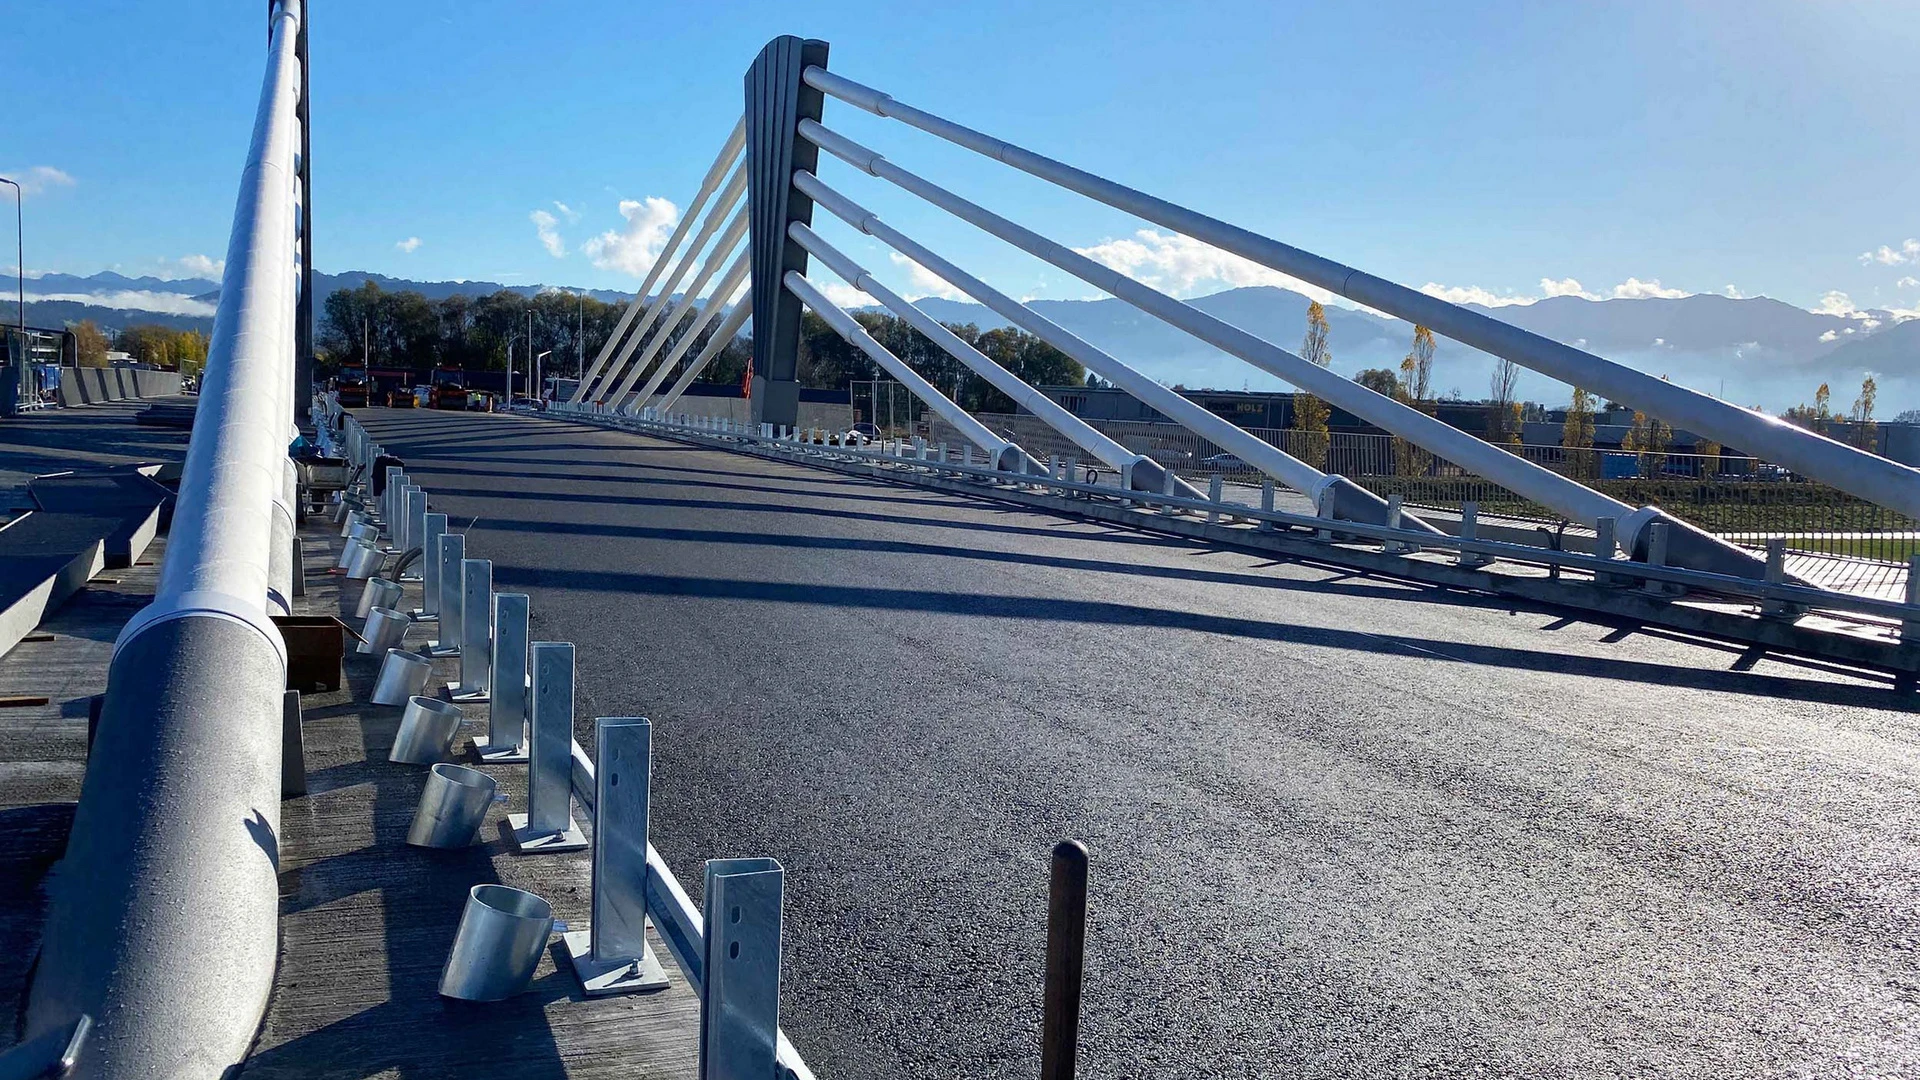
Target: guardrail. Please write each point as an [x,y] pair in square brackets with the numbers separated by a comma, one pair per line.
[730,949]
[163,922]
[1773,597]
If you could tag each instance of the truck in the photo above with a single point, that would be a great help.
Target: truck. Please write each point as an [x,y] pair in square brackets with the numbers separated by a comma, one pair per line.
[352,385]
[449,387]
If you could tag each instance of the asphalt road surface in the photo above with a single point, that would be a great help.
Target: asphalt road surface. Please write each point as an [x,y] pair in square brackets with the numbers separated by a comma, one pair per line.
[1340,826]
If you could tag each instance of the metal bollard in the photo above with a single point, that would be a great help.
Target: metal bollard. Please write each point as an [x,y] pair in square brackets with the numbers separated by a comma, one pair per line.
[966,456]
[503,932]
[402,675]
[453,551]
[426,732]
[1469,530]
[611,956]
[433,527]
[453,805]
[1266,505]
[1215,488]
[1323,509]
[1394,516]
[379,593]
[416,529]
[548,826]
[507,715]
[1126,480]
[1605,544]
[740,988]
[476,630]
[1066,961]
[1657,556]
[1168,487]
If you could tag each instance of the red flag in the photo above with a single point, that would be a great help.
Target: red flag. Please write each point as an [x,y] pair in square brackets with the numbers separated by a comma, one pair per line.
[746,381]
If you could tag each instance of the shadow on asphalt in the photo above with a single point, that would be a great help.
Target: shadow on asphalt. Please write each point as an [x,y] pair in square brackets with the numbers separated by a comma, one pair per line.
[1105,613]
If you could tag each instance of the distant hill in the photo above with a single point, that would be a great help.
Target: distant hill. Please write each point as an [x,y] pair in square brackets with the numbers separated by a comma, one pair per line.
[1754,351]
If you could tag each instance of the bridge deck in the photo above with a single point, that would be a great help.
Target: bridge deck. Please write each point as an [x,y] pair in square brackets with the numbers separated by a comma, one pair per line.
[1340,826]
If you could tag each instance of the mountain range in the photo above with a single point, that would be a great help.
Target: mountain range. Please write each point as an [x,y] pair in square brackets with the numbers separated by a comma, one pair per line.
[1755,351]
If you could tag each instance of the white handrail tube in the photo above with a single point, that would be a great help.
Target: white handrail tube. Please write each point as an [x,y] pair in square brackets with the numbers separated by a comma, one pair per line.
[716,303]
[998,449]
[716,216]
[729,240]
[1569,497]
[736,142]
[1078,431]
[728,328]
[1256,452]
[1866,475]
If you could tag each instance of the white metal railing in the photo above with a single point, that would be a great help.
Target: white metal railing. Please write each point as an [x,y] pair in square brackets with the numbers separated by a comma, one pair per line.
[1831,462]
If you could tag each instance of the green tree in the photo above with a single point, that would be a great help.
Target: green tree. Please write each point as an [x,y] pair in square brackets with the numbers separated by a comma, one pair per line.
[90,343]
[1379,380]
[1864,431]
[1310,414]
[1577,436]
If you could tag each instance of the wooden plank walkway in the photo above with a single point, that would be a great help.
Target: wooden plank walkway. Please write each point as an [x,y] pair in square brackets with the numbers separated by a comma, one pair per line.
[366,920]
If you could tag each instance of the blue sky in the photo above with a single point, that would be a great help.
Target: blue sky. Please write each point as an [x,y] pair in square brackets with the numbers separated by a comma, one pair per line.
[1769,147]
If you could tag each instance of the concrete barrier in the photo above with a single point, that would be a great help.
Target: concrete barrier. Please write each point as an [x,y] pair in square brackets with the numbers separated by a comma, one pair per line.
[89,386]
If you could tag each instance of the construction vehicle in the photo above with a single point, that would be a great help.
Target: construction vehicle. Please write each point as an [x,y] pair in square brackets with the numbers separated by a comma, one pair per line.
[449,387]
[352,384]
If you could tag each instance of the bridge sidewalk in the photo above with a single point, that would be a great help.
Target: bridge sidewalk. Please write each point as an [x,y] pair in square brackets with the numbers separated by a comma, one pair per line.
[366,920]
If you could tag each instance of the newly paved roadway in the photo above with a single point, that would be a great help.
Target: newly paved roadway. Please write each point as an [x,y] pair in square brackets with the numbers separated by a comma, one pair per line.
[1340,826]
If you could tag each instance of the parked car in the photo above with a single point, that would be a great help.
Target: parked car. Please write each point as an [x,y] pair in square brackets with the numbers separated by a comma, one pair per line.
[864,432]
[1225,463]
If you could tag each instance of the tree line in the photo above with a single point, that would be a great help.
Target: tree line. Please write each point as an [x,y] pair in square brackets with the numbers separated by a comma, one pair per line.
[162,346]
[405,329]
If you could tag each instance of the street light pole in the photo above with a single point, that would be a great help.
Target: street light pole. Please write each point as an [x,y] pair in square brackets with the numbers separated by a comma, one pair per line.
[20,252]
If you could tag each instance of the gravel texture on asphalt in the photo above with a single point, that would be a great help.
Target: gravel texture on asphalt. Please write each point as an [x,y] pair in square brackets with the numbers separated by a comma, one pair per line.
[1341,826]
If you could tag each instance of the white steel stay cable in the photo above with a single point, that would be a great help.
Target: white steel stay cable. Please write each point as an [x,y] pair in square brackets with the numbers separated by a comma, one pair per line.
[736,142]
[722,248]
[847,327]
[1068,425]
[735,190]
[716,302]
[1549,488]
[729,327]
[1848,468]
[1256,452]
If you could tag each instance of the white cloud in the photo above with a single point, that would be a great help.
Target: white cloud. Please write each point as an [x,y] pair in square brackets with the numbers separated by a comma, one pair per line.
[134,300]
[191,266]
[1635,289]
[1472,294]
[922,282]
[1829,336]
[636,245]
[844,295]
[1839,303]
[1907,282]
[545,225]
[408,246]
[38,179]
[1185,267]
[1885,255]
[1733,293]
[1564,287]
[566,211]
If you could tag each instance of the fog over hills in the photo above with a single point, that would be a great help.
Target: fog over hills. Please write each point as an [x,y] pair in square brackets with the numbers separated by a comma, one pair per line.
[1756,351]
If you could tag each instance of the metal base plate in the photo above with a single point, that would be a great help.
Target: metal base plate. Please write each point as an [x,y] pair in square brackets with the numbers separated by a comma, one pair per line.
[528,842]
[434,648]
[420,615]
[600,978]
[501,755]
[467,697]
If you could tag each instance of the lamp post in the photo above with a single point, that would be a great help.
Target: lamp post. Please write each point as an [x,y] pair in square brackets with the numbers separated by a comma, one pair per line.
[534,391]
[20,254]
